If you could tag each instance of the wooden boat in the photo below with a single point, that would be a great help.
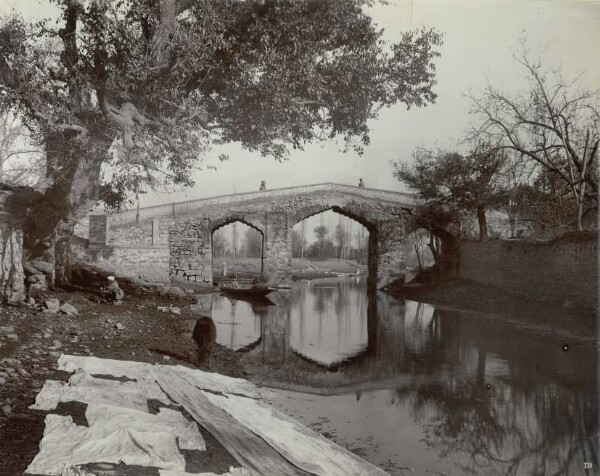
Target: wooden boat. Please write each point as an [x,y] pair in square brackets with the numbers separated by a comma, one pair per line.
[254,291]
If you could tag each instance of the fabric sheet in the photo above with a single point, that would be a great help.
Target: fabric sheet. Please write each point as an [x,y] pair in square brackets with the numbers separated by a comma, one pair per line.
[167,420]
[65,444]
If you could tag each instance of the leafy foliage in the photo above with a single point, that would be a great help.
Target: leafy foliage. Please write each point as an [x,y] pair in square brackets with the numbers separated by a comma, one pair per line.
[456,182]
[167,79]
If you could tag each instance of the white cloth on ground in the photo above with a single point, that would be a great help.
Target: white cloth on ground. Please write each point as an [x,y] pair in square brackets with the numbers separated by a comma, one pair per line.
[166,420]
[65,444]
[142,371]
[232,472]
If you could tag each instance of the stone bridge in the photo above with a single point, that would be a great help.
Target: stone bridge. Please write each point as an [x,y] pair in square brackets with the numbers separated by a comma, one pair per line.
[176,238]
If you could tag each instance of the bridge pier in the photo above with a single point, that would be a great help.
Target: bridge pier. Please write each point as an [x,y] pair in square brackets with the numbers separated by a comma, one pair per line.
[388,258]
[277,249]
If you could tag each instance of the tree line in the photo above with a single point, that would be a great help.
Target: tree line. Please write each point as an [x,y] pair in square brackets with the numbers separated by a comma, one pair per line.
[238,243]
[341,243]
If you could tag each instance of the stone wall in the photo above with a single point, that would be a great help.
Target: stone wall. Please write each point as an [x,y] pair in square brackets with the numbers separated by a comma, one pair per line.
[147,262]
[549,271]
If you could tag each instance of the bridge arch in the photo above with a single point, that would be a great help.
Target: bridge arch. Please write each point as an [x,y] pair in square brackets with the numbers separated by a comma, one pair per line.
[249,225]
[369,225]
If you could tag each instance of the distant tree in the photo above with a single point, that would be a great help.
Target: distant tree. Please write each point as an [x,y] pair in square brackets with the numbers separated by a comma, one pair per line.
[321,232]
[321,250]
[471,182]
[361,244]
[234,238]
[553,125]
[341,238]
[253,243]
[148,86]
[219,243]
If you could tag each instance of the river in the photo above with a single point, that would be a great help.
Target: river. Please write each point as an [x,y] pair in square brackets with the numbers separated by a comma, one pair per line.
[417,389]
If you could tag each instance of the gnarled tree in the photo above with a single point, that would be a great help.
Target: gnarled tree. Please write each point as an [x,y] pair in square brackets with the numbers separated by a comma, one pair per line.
[149,85]
[553,125]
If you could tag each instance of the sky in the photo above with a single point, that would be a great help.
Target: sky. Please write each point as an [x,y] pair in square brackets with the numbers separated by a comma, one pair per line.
[480,39]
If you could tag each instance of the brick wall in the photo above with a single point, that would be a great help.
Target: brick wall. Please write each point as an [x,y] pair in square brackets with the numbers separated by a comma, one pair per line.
[549,271]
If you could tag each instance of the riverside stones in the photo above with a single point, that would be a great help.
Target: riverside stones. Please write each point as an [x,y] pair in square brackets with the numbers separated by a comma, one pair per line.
[52,305]
[69,309]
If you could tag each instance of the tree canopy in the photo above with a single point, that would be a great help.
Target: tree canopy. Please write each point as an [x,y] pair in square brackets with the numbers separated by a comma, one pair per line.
[471,182]
[149,85]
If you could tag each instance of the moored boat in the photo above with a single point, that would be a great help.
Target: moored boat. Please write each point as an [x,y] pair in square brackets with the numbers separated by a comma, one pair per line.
[246,292]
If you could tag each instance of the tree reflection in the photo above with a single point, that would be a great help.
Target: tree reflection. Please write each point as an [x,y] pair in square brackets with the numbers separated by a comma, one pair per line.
[500,429]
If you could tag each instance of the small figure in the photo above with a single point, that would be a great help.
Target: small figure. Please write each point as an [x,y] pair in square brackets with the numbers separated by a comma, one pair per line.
[263,186]
[112,292]
[361,184]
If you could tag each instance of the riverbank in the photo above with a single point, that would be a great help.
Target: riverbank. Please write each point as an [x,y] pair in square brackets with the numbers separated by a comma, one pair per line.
[301,268]
[466,295]
[145,328]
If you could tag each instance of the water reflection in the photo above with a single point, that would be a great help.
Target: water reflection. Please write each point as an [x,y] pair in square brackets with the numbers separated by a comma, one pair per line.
[489,397]
[238,325]
[328,321]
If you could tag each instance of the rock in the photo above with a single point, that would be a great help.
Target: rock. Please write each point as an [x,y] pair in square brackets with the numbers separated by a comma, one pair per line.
[6,409]
[172,292]
[43,266]
[69,309]
[56,344]
[35,289]
[166,357]
[189,292]
[119,326]
[52,305]
[54,354]
[171,309]
[12,336]
[7,329]
[11,361]
[29,269]
[2,380]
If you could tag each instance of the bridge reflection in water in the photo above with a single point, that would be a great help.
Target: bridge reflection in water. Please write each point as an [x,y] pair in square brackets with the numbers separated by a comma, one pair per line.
[489,396]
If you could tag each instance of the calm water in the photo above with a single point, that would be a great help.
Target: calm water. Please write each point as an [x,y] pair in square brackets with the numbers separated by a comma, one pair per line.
[420,390]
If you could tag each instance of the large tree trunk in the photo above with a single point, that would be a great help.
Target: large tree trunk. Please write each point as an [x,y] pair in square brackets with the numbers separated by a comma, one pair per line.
[12,280]
[73,167]
[482,221]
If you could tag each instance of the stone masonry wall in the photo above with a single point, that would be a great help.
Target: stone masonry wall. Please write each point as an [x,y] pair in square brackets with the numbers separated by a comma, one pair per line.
[149,263]
[549,271]
[187,227]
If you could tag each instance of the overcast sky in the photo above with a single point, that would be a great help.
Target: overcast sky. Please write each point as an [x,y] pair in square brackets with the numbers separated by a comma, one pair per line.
[480,38]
